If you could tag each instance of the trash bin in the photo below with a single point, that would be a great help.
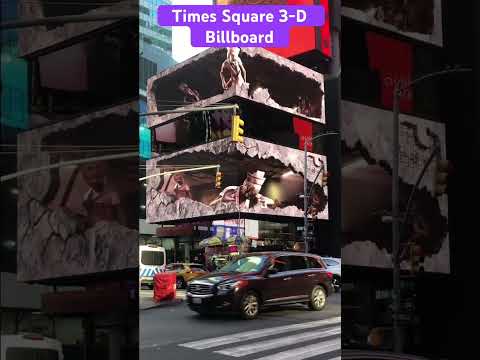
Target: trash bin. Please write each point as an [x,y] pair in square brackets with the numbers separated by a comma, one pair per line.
[164,287]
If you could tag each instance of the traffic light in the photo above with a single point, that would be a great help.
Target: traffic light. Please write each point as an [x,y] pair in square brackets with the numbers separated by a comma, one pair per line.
[324,179]
[237,129]
[218,180]
[441,176]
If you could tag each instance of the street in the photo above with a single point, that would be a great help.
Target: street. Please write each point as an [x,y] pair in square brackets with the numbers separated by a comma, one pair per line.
[173,331]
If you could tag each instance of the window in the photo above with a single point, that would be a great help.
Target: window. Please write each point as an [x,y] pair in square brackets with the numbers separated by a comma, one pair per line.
[248,264]
[281,263]
[297,263]
[152,258]
[330,262]
[16,353]
[313,263]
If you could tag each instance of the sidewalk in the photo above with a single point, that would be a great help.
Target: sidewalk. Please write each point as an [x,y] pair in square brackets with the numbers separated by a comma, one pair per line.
[146,300]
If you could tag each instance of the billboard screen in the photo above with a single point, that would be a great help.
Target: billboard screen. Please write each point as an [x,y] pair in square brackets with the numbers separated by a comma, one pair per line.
[252,75]
[259,178]
[420,20]
[303,39]
[81,218]
[367,189]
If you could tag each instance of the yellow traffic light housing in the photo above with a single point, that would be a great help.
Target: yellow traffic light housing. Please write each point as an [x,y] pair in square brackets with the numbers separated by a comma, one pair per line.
[218,180]
[237,129]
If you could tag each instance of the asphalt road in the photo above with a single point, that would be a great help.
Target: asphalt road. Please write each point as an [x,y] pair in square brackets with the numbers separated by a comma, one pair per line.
[172,332]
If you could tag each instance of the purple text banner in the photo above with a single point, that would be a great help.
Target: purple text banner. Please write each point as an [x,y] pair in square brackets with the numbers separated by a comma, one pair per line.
[241,26]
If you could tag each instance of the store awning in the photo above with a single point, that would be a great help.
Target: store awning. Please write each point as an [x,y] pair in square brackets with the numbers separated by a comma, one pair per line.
[211,241]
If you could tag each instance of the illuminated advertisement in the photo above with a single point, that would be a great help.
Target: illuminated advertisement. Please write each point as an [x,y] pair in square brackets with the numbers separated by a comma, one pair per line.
[302,39]
[367,190]
[258,178]
[420,20]
[252,75]
[80,218]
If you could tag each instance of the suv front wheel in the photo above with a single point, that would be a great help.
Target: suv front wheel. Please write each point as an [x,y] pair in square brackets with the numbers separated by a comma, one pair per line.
[318,298]
[249,306]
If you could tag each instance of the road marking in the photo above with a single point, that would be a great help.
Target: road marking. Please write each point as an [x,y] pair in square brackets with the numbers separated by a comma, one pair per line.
[249,349]
[305,352]
[255,334]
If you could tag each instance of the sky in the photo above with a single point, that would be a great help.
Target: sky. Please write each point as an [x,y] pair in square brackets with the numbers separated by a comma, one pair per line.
[181,45]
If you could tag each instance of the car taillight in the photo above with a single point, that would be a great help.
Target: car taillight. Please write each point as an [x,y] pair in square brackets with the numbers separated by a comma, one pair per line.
[329,275]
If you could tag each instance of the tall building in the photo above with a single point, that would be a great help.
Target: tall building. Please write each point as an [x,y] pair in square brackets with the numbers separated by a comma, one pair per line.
[155,44]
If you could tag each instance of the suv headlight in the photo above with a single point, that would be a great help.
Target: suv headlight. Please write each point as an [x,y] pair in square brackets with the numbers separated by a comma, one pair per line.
[226,287]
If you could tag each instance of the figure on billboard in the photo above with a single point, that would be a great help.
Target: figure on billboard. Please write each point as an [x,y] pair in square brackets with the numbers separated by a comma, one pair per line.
[233,72]
[181,188]
[190,95]
[319,201]
[248,194]
[100,202]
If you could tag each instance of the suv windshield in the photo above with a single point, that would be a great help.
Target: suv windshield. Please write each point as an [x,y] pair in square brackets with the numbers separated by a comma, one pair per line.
[246,264]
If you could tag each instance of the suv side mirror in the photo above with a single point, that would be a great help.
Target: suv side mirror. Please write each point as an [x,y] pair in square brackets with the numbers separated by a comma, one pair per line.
[272,271]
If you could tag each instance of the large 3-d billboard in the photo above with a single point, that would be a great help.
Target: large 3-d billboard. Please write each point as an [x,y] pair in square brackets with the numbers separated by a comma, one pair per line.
[420,20]
[235,75]
[80,218]
[367,190]
[259,178]
[303,39]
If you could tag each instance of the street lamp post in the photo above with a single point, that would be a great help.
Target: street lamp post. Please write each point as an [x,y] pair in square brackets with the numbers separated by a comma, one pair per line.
[305,185]
[397,336]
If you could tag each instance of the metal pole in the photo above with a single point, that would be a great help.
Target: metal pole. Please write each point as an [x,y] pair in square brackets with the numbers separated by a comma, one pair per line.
[180,171]
[305,184]
[234,107]
[397,345]
[305,203]
[68,163]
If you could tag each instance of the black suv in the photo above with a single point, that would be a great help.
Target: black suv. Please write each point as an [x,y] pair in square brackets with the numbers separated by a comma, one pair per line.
[263,279]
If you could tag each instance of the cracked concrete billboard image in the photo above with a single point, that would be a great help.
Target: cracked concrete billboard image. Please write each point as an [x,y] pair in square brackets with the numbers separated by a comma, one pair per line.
[77,219]
[247,75]
[367,239]
[259,179]
[420,20]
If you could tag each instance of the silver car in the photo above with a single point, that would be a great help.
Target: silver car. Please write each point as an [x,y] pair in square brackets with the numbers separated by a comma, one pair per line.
[334,265]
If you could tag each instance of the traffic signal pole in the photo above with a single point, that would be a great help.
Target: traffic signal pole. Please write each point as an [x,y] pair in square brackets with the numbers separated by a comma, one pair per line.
[305,184]
[397,92]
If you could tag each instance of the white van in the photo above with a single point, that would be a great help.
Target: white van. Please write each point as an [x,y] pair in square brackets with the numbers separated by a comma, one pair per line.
[30,347]
[152,261]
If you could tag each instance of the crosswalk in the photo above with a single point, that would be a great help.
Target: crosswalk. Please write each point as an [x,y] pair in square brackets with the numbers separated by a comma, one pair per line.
[294,341]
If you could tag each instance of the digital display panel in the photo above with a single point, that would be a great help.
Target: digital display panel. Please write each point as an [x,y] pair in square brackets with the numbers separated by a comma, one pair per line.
[78,218]
[220,75]
[367,190]
[420,20]
[258,178]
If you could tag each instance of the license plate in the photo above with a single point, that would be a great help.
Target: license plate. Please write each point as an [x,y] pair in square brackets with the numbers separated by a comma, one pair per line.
[197,300]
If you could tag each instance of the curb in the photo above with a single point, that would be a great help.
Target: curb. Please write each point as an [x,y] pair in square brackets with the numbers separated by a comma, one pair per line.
[162,304]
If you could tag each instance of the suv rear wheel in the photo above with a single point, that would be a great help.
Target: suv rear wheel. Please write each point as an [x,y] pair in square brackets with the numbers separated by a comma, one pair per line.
[249,306]
[318,298]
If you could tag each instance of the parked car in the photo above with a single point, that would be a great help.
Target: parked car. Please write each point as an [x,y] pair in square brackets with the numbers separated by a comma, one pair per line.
[376,355]
[334,265]
[30,346]
[257,280]
[186,272]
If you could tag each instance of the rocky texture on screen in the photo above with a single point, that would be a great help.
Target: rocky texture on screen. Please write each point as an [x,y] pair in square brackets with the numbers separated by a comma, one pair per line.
[272,174]
[230,74]
[61,231]
[367,240]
